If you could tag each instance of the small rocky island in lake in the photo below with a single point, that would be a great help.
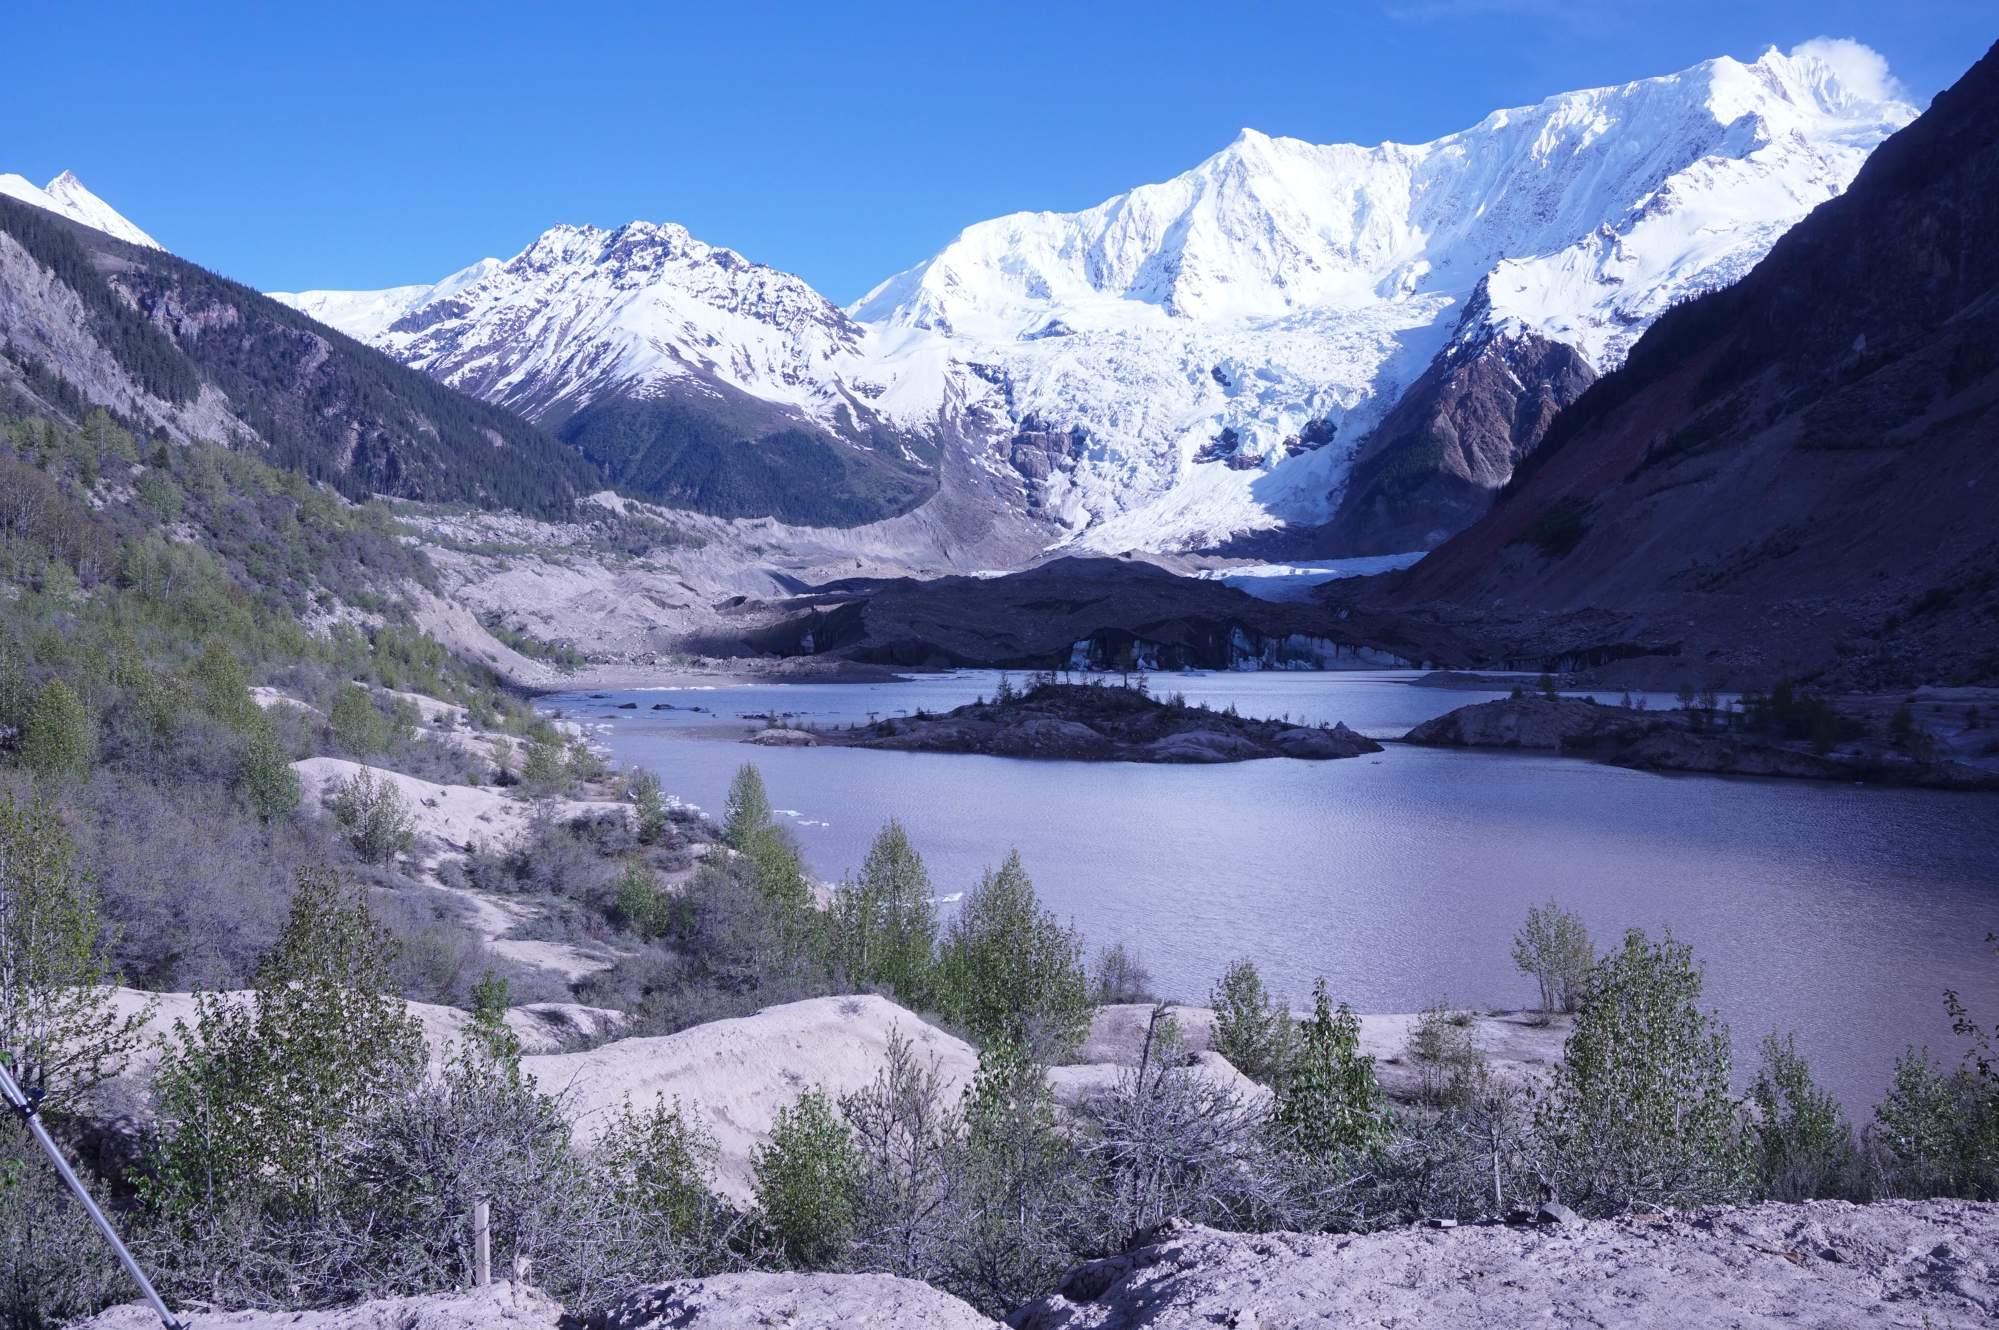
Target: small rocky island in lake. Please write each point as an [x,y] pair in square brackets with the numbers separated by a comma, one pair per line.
[1096,723]
[1783,733]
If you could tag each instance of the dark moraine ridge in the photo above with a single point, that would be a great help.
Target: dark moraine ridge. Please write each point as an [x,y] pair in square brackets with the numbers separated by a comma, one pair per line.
[1100,723]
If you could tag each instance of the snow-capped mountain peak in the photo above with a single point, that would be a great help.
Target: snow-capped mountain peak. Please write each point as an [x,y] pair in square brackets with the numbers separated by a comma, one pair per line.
[66,196]
[1281,293]
[583,311]
[1201,357]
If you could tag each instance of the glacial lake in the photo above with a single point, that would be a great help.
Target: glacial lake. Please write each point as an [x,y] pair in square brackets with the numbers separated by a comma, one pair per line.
[1838,912]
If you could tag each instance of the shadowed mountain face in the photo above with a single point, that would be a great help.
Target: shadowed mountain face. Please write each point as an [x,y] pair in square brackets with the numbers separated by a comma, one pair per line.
[1807,461]
[1432,466]
[87,320]
[1097,613]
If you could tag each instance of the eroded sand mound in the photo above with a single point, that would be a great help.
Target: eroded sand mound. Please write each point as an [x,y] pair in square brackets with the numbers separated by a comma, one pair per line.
[1830,1264]
[455,818]
[795,1302]
[543,1027]
[495,1307]
[736,1074]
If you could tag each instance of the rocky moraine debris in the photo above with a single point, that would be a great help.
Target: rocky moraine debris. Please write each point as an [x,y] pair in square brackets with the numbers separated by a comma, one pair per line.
[1096,723]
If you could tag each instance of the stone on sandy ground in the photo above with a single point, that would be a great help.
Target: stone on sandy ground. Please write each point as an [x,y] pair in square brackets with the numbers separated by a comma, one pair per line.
[793,1301]
[1824,1264]
[1517,1045]
[501,1306]
[734,1075]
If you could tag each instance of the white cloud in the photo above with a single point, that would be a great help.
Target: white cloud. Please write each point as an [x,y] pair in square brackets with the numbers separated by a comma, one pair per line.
[1860,67]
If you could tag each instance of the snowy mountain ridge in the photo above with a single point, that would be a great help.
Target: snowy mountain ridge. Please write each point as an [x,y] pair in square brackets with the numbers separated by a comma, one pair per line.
[1282,285]
[1200,358]
[584,311]
[66,196]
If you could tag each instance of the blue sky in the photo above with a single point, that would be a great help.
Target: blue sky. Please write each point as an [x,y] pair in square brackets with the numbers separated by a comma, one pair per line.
[363,145]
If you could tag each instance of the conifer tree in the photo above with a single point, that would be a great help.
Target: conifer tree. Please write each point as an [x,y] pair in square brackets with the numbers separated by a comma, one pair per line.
[746,816]
[1009,971]
[886,922]
[58,739]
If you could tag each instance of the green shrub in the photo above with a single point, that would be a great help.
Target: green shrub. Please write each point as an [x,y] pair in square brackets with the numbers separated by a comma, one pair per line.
[655,1167]
[261,1094]
[1253,1030]
[265,775]
[1638,1110]
[358,726]
[378,820]
[808,1184]
[1554,947]
[1329,1101]
[1447,1058]
[650,807]
[56,1011]
[1804,1147]
[639,903]
[1021,1186]
[545,765]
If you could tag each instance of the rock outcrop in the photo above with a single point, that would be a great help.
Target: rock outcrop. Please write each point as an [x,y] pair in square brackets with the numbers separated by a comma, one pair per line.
[1433,464]
[1827,1263]
[1554,724]
[1076,613]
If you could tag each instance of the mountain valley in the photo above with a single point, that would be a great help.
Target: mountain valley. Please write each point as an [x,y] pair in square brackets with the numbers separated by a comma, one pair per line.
[1375,731]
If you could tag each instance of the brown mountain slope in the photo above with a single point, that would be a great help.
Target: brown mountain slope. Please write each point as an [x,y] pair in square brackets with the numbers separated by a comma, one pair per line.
[1431,467]
[176,351]
[1800,473]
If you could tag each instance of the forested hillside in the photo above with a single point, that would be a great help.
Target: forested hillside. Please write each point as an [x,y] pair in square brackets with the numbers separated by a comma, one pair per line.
[144,591]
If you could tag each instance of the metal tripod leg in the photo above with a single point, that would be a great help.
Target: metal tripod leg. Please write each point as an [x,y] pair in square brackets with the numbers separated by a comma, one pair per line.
[26,1107]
